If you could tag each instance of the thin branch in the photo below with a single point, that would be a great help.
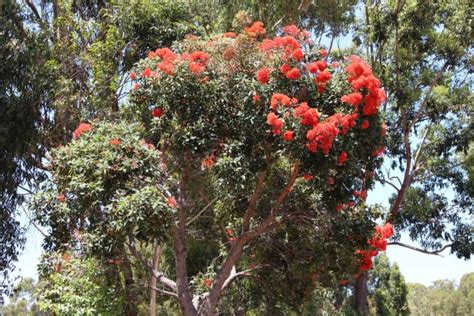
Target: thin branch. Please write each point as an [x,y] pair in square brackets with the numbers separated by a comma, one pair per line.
[34,10]
[435,252]
[234,275]
[158,274]
[427,95]
[200,212]
[165,292]
[420,148]
[33,222]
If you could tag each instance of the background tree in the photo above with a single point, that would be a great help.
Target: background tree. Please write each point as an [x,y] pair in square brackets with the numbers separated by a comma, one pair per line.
[23,300]
[64,61]
[387,288]
[443,297]
[423,51]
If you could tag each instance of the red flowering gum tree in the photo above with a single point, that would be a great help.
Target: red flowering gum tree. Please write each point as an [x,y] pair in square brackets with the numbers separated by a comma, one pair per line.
[246,136]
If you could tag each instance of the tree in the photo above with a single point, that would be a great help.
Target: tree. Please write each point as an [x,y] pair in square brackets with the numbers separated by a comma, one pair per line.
[297,169]
[422,52]
[442,298]
[388,289]
[22,300]
[63,61]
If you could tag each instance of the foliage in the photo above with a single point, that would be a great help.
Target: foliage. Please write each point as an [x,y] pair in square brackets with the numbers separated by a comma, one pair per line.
[23,300]
[442,298]
[388,289]
[76,286]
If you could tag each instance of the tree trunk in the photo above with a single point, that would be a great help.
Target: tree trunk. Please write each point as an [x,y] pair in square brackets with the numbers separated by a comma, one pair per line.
[361,294]
[153,281]
[129,288]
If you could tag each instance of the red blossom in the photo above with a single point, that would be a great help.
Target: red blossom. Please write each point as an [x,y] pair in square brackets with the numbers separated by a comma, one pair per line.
[323,77]
[133,75]
[157,112]
[165,67]
[61,198]
[288,136]
[279,98]
[297,54]
[146,73]
[285,68]
[172,202]
[255,30]
[275,123]
[293,74]
[365,124]
[230,34]
[82,128]
[323,53]
[208,161]
[319,65]
[255,98]
[208,282]
[292,30]
[198,61]
[136,86]
[115,142]
[341,159]
[352,98]
[263,75]
[307,176]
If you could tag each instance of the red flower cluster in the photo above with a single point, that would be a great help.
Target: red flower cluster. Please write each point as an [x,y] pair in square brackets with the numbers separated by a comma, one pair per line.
[255,30]
[291,47]
[198,61]
[378,242]
[146,73]
[319,65]
[309,116]
[288,136]
[342,206]
[293,74]
[362,79]
[230,35]
[208,161]
[82,128]
[278,99]
[263,75]
[352,98]
[323,134]
[172,202]
[157,112]
[275,123]
[341,159]
[61,198]
[115,142]
[378,152]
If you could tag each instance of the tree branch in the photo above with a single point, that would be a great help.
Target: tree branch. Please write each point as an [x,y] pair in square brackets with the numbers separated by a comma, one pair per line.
[435,252]
[165,292]
[200,212]
[34,10]
[427,95]
[253,201]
